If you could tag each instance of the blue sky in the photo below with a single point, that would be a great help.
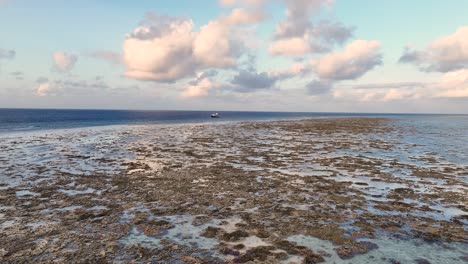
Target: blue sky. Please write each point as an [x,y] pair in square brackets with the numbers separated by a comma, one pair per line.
[242,55]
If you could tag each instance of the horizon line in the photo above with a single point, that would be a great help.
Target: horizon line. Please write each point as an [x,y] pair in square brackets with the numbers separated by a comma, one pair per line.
[239,111]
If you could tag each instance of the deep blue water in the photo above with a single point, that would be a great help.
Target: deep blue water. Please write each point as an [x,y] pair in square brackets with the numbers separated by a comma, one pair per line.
[12,120]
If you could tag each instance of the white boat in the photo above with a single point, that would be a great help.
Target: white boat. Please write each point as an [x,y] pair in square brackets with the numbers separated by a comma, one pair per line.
[214,115]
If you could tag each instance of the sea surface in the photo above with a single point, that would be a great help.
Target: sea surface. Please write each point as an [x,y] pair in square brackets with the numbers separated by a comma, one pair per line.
[13,120]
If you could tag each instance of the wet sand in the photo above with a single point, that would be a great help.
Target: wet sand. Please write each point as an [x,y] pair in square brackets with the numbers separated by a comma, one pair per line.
[339,190]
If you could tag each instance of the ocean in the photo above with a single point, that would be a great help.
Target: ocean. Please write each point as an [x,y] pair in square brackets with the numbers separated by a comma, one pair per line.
[12,120]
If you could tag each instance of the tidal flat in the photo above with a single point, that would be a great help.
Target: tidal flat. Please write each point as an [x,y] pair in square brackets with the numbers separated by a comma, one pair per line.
[331,190]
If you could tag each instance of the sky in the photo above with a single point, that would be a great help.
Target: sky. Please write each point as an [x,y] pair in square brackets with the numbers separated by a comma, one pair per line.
[257,55]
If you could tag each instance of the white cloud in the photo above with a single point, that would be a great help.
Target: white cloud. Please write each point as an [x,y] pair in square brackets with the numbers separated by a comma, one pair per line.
[166,49]
[358,58]
[63,62]
[445,54]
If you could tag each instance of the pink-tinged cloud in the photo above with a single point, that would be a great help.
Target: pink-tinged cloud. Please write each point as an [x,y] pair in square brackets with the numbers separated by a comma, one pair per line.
[294,46]
[354,61]
[161,53]
[199,89]
[451,85]
[295,70]
[298,34]
[166,49]
[454,84]
[254,3]
[63,62]
[201,86]
[214,47]
[445,54]
[378,95]
[241,16]
[49,89]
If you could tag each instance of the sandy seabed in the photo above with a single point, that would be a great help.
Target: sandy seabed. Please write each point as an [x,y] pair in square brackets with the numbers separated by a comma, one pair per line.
[338,190]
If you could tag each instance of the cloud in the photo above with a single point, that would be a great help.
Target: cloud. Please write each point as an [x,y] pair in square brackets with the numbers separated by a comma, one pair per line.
[160,50]
[376,95]
[332,32]
[200,89]
[299,35]
[228,3]
[166,49]
[454,84]
[395,85]
[451,85]
[241,16]
[41,80]
[109,56]
[63,87]
[295,70]
[445,54]
[319,87]
[63,62]
[214,46]
[248,80]
[294,46]
[18,75]
[244,81]
[298,13]
[205,74]
[358,58]
[7,54]
[201,86]
[49,89]
[318,39]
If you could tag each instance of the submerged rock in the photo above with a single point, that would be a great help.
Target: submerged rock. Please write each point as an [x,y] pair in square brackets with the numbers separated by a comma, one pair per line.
[349,251]
[258,253]
[422,261]
[234,236]
[211,232]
